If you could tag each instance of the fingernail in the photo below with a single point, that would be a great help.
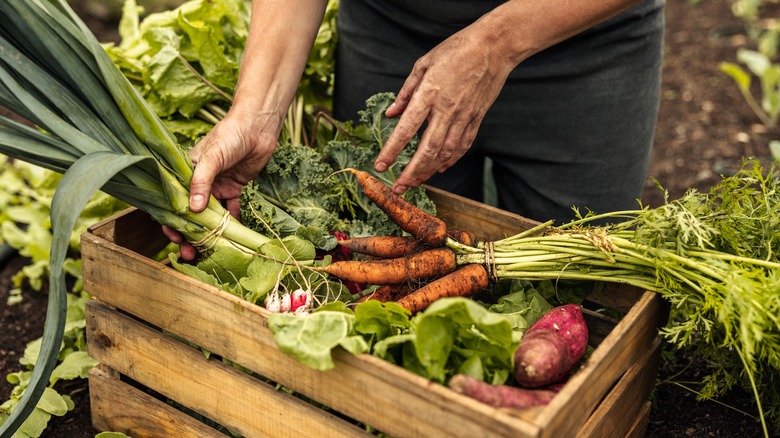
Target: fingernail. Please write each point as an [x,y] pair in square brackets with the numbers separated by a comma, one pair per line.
[400,190]
[380,166]
[392,105]
[197,203]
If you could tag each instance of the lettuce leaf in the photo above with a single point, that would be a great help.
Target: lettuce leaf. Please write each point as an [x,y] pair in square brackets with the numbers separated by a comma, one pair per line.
[453,335]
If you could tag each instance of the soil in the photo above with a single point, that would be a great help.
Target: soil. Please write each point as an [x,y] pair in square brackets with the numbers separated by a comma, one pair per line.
[705,128]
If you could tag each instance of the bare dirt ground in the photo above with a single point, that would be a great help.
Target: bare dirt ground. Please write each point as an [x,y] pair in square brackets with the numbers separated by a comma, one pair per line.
[704,130]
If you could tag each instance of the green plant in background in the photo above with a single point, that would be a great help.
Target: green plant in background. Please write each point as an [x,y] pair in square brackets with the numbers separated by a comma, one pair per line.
[26,193]
[185,63]
[760,63]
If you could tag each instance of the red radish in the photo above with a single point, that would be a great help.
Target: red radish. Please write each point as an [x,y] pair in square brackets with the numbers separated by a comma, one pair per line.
[551,347]
[300,300]
[500,396]
[353,287]
[341,252]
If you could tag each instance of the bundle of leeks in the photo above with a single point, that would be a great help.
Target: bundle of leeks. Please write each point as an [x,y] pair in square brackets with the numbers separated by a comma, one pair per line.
[87,121]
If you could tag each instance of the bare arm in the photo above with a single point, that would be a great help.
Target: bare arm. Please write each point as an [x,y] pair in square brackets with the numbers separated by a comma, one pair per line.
[281,35]
[280,38]
[453,85]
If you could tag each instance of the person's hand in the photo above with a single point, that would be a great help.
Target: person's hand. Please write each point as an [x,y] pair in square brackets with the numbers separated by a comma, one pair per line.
[229,157]
[451,87]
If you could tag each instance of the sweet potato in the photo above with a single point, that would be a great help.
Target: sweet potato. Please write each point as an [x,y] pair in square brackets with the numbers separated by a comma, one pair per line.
[500,396]
[551,347]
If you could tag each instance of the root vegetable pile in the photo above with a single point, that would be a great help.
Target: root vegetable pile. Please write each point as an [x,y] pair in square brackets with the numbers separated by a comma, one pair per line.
[713,256]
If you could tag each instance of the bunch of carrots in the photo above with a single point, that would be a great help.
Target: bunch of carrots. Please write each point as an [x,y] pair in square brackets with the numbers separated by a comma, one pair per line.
[413,270]
[711,255]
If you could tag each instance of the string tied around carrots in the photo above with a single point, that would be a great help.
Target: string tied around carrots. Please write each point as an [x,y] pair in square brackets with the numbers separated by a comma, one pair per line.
[490,262]
[598,237]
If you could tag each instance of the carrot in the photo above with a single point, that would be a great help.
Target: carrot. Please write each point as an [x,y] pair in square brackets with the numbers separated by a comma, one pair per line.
[406,215]
[385,247]
[389,292]
[465,281]
[462,236]
[500,396]
[424,264]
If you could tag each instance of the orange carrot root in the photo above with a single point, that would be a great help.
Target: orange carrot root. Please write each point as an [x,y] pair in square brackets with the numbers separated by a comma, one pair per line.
[409,217]
[384,247]
[465,281]
[424,264]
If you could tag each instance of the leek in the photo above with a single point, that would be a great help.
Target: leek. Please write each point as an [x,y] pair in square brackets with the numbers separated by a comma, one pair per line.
[86,120]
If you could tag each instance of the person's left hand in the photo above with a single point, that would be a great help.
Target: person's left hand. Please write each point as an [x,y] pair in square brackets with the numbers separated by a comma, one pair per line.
[451,87]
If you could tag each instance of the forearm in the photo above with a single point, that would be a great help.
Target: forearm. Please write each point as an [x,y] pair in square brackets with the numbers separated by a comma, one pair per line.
[280,38]
[519,29]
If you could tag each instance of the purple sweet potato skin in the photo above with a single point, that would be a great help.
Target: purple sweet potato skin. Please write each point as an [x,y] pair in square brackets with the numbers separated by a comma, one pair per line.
[500,396]
[551,347]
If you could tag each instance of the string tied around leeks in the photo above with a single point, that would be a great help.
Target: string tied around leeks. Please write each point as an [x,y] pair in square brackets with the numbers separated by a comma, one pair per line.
[208,241]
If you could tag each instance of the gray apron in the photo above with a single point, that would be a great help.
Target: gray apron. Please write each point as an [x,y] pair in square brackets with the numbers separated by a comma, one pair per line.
[573,126]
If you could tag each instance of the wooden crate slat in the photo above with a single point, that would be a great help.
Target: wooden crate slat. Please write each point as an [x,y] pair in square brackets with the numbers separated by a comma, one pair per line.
[118,273]
[582,393]
[236,329]
[488,223]
[639,428]
[119,407]
[628,397]
[212,388]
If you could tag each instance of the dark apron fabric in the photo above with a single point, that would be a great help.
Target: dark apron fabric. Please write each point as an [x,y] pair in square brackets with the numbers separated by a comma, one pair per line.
[573,126]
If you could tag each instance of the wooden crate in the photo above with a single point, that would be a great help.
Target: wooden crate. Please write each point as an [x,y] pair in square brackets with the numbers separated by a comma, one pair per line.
[145,318]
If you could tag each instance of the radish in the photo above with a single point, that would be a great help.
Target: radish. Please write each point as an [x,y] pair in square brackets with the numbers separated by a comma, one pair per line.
[301,301]
[286,302]
[272,302]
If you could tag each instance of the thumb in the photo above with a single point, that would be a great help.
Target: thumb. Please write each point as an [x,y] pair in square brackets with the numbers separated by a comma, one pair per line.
[200,186]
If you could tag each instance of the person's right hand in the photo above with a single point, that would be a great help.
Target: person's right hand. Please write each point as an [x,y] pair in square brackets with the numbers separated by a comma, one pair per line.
[229,157]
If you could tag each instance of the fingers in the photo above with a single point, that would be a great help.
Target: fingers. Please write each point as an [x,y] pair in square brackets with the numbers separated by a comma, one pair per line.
[458,142]
[425,161]
[410,120]
[172,235]
[200,187]
[233,205]
[186,250]
[444,142]
[407,90]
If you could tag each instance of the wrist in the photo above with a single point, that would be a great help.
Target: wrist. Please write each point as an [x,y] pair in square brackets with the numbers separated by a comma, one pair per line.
[519,29]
